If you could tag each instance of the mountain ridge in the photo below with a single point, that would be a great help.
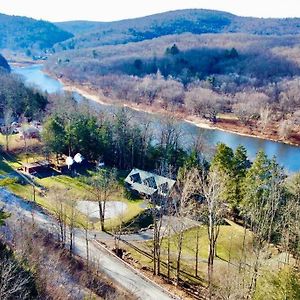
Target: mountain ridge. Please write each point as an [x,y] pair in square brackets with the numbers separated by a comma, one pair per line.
[22,33]
[196,21]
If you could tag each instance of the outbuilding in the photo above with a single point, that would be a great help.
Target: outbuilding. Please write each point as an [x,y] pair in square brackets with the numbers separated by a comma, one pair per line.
[36,167]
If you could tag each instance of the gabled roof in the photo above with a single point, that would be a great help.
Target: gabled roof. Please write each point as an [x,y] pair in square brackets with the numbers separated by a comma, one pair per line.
[149,183]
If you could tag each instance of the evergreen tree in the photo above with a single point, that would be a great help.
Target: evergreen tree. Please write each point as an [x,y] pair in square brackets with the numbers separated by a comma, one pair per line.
[173,50]
[223,159]
[232,166]
[54,135]
[256,181]
[240,166]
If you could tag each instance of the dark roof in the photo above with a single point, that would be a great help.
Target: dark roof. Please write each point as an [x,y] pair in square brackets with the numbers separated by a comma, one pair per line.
[37,164]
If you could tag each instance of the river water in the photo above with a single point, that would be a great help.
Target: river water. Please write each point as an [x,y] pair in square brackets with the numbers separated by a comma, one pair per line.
[288,156]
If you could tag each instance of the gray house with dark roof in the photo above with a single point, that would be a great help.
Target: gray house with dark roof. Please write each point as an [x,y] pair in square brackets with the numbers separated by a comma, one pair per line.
[149,184]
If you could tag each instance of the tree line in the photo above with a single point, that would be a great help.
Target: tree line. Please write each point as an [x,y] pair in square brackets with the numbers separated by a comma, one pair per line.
[117,138]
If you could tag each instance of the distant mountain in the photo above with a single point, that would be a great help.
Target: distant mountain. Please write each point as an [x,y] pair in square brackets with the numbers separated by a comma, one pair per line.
[80,27]
[197,21]
[4,64]
[18,33]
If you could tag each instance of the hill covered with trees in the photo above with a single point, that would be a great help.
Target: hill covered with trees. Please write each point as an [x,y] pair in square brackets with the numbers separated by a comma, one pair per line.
[18,33]
[197,21]
[4,64]
[17,100]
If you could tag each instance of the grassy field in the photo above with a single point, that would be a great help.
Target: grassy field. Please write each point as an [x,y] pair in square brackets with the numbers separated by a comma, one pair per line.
[229,252]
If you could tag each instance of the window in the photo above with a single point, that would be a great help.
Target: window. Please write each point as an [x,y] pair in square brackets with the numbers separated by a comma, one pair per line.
[150,182]
[136,178]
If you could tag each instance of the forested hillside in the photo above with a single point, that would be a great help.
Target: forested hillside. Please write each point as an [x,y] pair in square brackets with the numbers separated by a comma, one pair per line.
[186,57]
[17,100]
[197,21]
[19,33]
[79,27]
[4,64]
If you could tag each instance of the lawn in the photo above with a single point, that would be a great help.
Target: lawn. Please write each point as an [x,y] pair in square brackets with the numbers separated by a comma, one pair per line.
[229,245]
[134,208]
[229,248]
[229,253]
[18,145]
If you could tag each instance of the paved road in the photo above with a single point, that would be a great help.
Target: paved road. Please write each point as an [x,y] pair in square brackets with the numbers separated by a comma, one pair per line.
[109,264]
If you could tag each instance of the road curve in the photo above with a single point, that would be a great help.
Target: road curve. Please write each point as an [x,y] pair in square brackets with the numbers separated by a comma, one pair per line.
[113,267]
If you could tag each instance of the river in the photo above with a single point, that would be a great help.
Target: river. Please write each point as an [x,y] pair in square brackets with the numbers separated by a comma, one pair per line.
[288,156]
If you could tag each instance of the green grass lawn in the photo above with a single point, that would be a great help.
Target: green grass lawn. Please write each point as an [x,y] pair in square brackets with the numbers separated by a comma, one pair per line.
[229,252]
[229,248]
[229,242]
[134,208]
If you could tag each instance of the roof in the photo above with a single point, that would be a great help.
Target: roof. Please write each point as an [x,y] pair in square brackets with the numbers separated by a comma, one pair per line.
[37,164]
[149,183]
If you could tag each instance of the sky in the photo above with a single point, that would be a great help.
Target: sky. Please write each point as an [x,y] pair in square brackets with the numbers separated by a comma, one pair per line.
[109,10]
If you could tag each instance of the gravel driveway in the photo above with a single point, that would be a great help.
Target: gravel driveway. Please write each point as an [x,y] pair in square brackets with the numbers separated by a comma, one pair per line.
[112,209]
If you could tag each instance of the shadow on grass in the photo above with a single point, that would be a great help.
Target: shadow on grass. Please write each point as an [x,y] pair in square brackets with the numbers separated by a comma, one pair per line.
[141,221]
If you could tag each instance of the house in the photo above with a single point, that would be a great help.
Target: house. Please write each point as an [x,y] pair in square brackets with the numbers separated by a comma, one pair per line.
[149,184]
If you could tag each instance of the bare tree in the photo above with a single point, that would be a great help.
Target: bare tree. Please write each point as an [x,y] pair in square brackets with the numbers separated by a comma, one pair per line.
[157,209]
[289,97]
[290,220]
[262,216]
[197,250]
[13,281]
[184,209]
[285,129]
[59,198]
[248,105]
[204,102]
[85,224]
[102,186]
[214,209]
[265,117]
[72,222]
[8,118]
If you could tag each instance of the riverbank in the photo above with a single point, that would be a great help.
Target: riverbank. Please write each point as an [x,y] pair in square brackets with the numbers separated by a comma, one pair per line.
[227,123]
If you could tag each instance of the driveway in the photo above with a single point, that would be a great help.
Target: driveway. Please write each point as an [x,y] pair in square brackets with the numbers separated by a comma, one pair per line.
[112,209]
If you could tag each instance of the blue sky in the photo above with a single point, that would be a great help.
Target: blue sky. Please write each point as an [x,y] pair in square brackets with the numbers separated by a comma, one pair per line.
[108,10]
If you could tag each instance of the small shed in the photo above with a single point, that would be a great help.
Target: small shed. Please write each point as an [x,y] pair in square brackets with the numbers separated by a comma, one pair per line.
[36,167]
